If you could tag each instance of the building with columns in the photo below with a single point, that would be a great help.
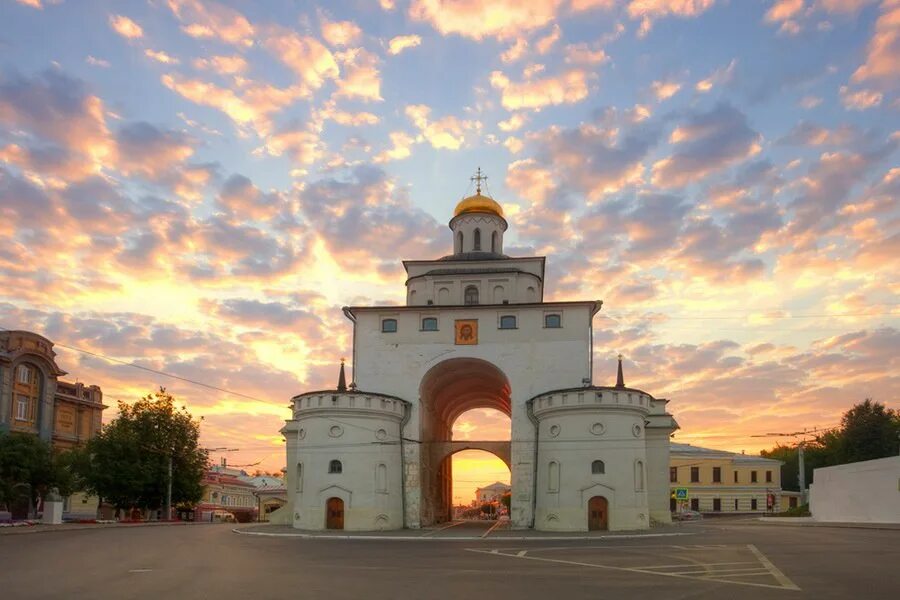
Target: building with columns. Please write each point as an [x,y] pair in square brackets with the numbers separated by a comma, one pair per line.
[476,332]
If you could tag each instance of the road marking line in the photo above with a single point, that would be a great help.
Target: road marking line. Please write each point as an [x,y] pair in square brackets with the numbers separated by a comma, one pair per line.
[742,562]
[439,529]
[521,553]
[721,572]
[140,570]
[776,573]
[493,527]
[790,585]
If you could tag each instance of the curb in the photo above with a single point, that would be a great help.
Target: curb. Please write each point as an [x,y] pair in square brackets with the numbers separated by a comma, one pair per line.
[834,525]
[90,527]
[427,538]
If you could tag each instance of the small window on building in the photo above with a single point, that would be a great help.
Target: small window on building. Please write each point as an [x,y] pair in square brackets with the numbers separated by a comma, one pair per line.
[553,476]
[717,474]
[459,242]
[735,476]
[752,503]
[389,325]
[335,466]
[429,324]
[23,374]
[598,468]
[471,295]
[507,322]
[639,476]
[22,408]
[673,474]
[552,321]
[695,503]
[736,504]
[494,246]
[792,502]
[752,476]
[768,476]
[299,486]
[477,240]
[695,474]
[717,504]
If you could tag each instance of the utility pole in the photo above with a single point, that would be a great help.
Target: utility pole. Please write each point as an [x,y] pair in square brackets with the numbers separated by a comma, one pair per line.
[169,490]
[801,476]
[801,470]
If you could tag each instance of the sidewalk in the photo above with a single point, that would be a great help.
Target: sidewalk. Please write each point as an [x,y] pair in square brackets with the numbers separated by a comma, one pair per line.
[811,522]
[41,528]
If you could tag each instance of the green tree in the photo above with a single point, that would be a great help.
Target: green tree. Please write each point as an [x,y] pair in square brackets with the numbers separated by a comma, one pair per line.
[26,468]
[506,500]
[868,431]
[128,461]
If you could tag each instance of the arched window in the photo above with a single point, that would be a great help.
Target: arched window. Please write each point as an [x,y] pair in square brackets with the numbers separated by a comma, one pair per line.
[532,294]
[495,247]
[552,321]
[459,242]
[598,468]
[507,322]
[444,296]
[553,476]
[639,475]
[389,325]
[299,477]
[429,324]
[477,241]
[498,294]
[412,297]
[26,394]
[471,295]
[335,466]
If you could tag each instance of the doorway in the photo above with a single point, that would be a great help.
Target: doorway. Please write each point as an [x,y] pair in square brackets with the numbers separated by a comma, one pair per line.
[334,514]
[598,514]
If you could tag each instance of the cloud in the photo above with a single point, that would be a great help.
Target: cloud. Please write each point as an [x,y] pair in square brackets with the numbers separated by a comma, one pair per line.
[221,64]
[544,44]
[649,10]
[705,143]
[584,54]
[401,147]
[720,76]
[503,19]
[160,56]
[340,33]
[860,99]
[513,123]
[211,19]
[568,87]
[882,65]
[97,62]
[367,224]
[125,27]
[313,63]
[663,90]
[402,42]
[361,78]
[304,147]
[243,200]
[516,51]
[783,10]
[447,132]
[252,105]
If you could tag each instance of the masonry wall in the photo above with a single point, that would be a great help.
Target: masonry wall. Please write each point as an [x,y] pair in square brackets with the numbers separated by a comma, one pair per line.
[867,491]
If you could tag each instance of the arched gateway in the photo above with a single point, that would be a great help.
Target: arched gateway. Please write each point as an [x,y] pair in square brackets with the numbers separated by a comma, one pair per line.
[476,333]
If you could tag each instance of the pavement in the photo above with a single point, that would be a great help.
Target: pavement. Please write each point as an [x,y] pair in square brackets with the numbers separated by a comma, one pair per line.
[713,559]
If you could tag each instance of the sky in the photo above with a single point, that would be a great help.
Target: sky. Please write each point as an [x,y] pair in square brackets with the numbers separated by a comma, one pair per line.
[198,187]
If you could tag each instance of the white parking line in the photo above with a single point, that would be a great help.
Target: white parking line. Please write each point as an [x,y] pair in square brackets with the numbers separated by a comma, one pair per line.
[776,573]
[493,527]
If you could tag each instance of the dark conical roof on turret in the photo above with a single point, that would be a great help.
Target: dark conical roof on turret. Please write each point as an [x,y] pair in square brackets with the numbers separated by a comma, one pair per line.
[342,379]
[620,378]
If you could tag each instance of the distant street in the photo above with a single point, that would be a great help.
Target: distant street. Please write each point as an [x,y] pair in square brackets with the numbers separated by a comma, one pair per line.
[721,559]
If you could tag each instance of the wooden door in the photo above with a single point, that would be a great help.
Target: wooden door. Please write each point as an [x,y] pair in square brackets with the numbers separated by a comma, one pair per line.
[334,515]
[598,514]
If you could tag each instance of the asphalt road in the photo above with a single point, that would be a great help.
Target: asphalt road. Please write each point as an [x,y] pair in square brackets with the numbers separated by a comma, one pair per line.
[712,560]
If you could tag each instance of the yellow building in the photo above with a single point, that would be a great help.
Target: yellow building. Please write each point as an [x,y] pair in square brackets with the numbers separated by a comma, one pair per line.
[726,482]
[34,400]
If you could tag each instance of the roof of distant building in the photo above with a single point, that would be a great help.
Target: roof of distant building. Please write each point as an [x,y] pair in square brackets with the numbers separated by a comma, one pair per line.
[677,449]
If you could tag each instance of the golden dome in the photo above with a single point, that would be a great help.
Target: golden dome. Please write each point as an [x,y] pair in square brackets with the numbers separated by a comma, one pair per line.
[478,203]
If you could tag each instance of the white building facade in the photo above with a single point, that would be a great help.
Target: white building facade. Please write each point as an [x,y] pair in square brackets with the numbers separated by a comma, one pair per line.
[476,333]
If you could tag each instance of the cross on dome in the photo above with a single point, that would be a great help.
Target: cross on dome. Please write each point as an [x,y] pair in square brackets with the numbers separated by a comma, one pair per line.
[478,178]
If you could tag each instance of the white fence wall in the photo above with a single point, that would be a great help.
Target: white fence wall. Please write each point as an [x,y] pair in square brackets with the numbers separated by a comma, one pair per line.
[867,491]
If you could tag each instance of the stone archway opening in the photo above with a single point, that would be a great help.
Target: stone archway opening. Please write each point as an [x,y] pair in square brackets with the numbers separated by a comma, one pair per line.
[449,390]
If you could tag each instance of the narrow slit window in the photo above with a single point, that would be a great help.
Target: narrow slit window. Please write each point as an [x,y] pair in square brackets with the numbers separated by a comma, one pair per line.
[598,468]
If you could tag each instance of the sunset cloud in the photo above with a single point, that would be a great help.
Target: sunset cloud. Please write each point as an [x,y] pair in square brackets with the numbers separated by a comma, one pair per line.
[475,19]
[568,87]
[210,19]
[125,27]
[402,42]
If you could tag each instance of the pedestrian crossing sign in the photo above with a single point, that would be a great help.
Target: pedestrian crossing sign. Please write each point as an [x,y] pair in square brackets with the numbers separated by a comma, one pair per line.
[680,494]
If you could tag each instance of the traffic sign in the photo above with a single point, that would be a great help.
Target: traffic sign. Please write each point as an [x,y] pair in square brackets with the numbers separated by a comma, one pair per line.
[681,493]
